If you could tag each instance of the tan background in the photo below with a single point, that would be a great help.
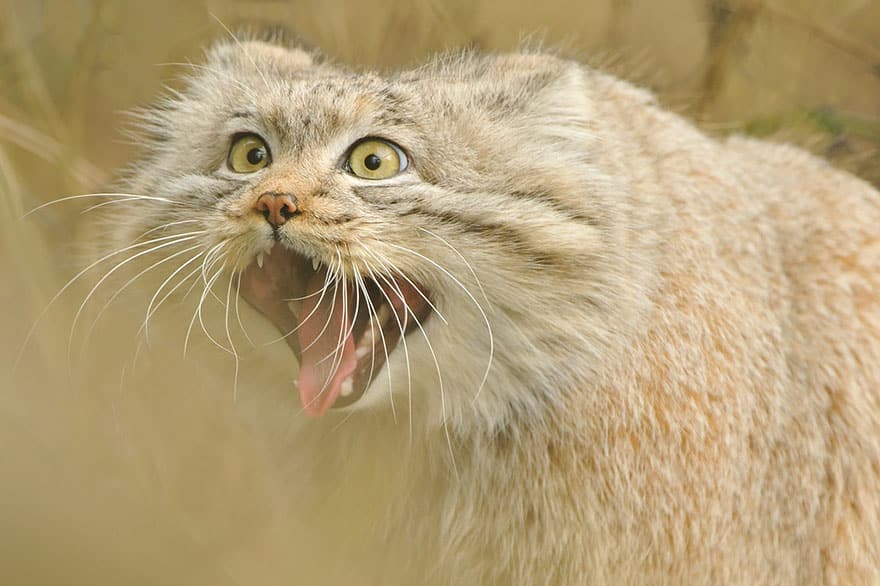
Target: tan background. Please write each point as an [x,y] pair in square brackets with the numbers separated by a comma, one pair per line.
[152,473]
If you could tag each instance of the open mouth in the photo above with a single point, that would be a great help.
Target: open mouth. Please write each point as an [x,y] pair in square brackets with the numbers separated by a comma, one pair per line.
[340,331]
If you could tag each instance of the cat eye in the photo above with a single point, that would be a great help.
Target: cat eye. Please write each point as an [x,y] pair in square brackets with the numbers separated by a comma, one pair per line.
[248,154]
[374,158]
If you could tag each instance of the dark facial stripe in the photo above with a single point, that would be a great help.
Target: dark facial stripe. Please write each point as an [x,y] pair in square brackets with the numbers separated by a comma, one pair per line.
[503,234]
[547,199]
[541,196]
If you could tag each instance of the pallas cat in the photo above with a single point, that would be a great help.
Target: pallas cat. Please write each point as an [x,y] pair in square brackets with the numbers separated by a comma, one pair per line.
[574,340]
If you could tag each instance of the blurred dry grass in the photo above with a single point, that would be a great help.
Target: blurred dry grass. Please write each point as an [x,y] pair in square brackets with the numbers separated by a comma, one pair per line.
[161,478]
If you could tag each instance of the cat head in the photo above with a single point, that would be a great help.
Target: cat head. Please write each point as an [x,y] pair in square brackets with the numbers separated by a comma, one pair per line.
[442,233]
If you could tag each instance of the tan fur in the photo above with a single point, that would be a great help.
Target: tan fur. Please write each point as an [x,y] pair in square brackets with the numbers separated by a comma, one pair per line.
[686,380]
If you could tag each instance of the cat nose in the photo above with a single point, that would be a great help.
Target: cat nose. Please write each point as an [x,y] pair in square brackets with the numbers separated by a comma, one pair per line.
[277,208]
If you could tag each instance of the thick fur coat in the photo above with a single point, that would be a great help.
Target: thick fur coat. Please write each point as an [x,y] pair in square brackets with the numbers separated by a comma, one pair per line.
[659,358]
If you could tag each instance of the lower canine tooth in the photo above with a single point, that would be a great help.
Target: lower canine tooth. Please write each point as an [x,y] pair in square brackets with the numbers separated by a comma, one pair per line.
[291,305]
[362,351]
[347,387]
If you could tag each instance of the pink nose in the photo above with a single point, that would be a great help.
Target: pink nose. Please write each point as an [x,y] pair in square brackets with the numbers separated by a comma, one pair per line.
[277,208]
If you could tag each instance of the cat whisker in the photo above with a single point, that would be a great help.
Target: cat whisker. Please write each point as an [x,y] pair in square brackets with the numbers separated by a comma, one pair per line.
[238,313]
[178,239]
[463,259]
[384,261]
[344,334]
[209,290]
[165,227]
[198,313]
[152,310]
[303,297]
[229,334]
[338,279]
[125,286]
[373,315]
[103,204]
[119,196]
[473,300]
[323,292]
[402,328]
[68,285]
[338,353]
[207,261]
[214,255]
[442,392]
[329,316]
[409,311]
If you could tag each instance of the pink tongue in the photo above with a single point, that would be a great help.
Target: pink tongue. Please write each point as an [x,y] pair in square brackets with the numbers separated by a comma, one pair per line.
[324,365]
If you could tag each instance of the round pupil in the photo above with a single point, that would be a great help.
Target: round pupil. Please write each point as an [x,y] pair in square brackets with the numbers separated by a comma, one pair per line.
[372,162]
[255,156]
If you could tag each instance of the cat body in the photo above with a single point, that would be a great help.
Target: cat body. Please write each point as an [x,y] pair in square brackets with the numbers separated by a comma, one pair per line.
[653,357]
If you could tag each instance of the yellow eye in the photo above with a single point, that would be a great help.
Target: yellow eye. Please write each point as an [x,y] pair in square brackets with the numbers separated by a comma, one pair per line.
[376,159]
[248,154]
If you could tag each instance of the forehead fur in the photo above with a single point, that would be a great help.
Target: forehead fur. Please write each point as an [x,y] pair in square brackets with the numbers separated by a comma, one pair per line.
[465,106]
[463,80]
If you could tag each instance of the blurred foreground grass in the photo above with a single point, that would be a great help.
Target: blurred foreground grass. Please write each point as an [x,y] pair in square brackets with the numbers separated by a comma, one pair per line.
[159,480]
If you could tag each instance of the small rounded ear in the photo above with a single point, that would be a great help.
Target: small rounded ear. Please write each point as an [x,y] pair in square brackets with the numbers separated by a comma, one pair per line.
[535,83]
[271,48]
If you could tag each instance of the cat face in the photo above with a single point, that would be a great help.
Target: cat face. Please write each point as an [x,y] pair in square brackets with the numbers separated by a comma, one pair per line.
[444,231]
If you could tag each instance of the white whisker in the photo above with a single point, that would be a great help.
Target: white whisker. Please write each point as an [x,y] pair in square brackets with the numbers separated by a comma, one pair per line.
[329,317]
[165,227]
[400,274]
[120,290]
[68,285]
[402,329]
[238,313]
[209,287]
[208,284]
[409,311]
[303,297]
[371,315]
[151,310]
[229,334]
[322,291]
[476,304]
[337,280]
[463,259]
[338,352]
[179,239]
[119,196]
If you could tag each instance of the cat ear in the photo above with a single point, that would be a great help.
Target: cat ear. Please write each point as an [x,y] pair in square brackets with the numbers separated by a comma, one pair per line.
[274,49]
[536,84]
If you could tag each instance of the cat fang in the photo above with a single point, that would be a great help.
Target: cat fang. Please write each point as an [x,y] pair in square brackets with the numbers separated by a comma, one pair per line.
[341,329]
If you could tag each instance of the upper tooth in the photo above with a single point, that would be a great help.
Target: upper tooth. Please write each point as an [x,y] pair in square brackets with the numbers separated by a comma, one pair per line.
[315,264]
[260,259]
